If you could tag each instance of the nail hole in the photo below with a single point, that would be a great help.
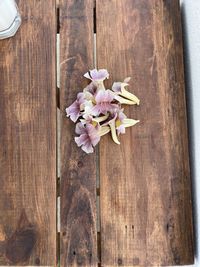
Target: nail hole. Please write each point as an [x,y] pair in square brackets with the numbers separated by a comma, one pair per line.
[80,164]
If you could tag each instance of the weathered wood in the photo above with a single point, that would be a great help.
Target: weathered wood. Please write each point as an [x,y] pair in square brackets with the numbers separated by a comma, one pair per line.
[28,139]
[145,196]
[78,170]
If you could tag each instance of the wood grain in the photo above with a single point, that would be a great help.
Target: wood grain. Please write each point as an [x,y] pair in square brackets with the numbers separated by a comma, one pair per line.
[78,170]
[28,139]
[146,213]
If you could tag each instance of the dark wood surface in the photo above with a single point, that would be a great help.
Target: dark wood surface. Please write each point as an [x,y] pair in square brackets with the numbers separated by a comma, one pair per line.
[145,197]
[28,139]
[78,170]
[145,182]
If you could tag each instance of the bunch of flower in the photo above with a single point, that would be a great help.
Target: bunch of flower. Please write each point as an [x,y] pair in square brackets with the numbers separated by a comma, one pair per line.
[98,111]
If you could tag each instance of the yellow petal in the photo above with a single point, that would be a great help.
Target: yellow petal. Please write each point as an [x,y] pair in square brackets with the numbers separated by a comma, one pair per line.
[114,134]
[124,100]
[102,118]
[130,96]
[129,122]
[104,130]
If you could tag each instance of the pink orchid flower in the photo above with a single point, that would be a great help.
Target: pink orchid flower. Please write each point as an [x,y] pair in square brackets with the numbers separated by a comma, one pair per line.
[89,137]
[99,110]
[104,103]
[97,75]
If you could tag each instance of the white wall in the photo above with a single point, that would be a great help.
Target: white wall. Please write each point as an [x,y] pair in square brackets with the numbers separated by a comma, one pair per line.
[191,32]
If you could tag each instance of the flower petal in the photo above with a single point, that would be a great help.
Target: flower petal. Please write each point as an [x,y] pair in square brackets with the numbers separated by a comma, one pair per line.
[113,133]
[93,134]
[129,122]
[73,111]
[102,118]
[99,75]
[116,87]
[127,80]
[91,88]
[130,96]
[88,148]
[87,75]
[81,140]
[123,100]
[104,96]
[121,129]
[104,130]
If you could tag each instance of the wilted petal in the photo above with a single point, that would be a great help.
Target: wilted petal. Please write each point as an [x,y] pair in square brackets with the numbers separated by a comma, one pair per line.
[119,88]
[113,133]
[129,122]
[130,96]
[125,101]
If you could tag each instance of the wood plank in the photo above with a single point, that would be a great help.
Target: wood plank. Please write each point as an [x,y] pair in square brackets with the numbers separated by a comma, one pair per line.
[28,139]
[78,170]
[145,197]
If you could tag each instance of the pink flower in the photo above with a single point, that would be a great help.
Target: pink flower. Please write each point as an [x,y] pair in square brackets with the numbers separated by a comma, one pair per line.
[89,137]
[97,75]
[104,103]
[74,111]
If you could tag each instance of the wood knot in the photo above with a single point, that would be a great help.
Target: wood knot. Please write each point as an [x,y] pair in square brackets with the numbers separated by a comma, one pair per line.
[119,261]
[37,261]
[136,261]
[20,245]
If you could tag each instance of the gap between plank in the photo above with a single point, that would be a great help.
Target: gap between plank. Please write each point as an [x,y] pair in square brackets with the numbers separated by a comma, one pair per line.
[58,127]
[97,150]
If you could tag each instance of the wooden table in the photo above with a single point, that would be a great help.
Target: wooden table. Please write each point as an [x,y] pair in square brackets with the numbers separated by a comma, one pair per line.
[143,185]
